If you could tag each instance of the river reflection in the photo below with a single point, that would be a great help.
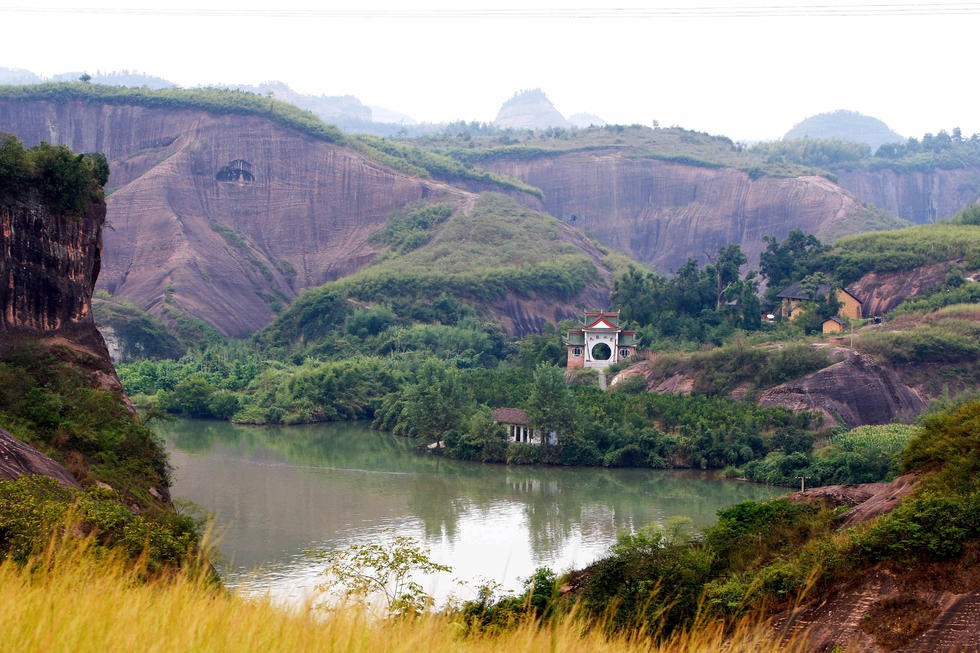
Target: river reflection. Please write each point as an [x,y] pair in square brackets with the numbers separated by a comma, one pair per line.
[277,492]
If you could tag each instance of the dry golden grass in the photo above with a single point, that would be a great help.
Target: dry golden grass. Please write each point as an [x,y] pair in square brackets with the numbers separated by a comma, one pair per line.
[69,600]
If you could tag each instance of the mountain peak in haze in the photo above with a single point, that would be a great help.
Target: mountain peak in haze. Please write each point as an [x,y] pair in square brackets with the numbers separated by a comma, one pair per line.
[530,109]
[845,126]
[584,120]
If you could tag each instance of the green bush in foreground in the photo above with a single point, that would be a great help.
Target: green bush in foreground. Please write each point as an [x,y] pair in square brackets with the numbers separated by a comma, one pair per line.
[33,509]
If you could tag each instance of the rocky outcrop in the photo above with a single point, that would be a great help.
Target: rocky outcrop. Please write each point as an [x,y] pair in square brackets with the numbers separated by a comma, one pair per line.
[48,271]
[882,292]
[865,500]
[853,392]
[223,217]
[18,458]
[922,197]
[529,110]
[662,212]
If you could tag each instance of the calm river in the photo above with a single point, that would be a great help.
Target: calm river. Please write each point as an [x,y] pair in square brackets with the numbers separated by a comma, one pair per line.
[278,492]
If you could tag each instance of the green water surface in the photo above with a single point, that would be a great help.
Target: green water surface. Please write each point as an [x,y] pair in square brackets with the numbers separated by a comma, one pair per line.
[278,492]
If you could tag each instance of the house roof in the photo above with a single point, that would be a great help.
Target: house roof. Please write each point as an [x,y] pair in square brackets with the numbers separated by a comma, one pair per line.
[795,291]
[602,320]
[836,319]
[602,323]
[510,416]
[628,338]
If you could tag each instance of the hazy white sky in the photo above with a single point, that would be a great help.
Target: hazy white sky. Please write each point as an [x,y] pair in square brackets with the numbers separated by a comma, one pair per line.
[748,69]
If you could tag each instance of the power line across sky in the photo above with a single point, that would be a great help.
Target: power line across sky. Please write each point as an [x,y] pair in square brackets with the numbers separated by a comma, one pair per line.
[545,13]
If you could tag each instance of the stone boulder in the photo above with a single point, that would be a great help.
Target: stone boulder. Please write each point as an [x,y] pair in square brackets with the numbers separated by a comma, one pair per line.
[18,458]
[853,392]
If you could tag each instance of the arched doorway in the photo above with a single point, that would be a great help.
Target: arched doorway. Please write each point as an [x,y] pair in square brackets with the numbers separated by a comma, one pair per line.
[601,352]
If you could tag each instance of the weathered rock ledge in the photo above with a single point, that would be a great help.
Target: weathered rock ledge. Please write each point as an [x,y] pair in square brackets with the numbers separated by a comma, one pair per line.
[18,458]
[853,392]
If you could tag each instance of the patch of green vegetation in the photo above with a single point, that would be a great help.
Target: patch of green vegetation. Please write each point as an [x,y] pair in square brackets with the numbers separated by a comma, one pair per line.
[51,404]
[409,231]
[140,334]
[499,248]
[768,556]
[65,181]
[865,219]
[719,371]
[902,249]
[867,454]
[968,293]
[33,509]
[802,256]
[623,428]
[696,304]
[475,143]
[946,340]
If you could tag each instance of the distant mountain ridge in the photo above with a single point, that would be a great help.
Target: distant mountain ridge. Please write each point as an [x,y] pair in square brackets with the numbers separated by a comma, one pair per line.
[846,126]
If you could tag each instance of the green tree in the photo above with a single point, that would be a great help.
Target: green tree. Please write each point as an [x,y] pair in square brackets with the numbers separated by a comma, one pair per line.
[550,406]
[436,403]
[786,262]
[192,396]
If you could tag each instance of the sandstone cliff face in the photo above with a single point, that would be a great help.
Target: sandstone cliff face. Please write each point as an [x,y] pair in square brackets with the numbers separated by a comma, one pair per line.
[662,213]
[920,197]
[48,272]
[292,212]
[882,292]
[853,392]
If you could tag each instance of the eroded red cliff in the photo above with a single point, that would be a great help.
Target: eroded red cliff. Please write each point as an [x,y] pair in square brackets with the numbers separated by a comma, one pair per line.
[223,217]
[662,213]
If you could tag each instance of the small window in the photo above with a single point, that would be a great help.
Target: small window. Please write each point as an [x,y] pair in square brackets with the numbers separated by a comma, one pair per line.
[577,351]
[624,353]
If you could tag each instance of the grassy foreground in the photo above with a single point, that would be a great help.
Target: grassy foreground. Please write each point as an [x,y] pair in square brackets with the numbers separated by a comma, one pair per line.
[70,600]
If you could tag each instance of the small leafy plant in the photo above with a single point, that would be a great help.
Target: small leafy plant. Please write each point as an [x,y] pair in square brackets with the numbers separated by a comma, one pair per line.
[382,570]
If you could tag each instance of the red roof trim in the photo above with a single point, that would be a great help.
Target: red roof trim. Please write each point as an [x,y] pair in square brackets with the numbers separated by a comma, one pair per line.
[608,324]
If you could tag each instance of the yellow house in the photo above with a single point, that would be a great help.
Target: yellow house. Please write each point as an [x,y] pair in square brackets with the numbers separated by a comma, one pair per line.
[795,298]
[834,325]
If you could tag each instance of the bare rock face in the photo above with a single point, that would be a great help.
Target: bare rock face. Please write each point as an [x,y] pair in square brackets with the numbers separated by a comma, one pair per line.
[853,392]
[922,197]
[48,271]
[223,217]
[662,213]
[18,458]
[882,292]
[866,500]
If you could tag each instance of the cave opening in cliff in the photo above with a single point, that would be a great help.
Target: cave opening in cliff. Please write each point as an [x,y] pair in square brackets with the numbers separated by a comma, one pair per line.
[239,171]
